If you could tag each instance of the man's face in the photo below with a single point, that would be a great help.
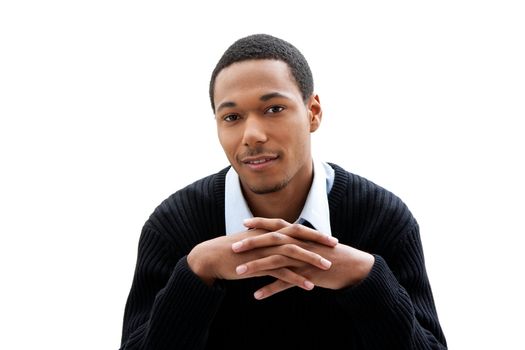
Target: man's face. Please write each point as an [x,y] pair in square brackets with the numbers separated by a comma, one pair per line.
[264,125]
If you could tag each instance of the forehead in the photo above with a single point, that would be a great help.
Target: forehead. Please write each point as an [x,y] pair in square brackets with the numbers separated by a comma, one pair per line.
[257,77]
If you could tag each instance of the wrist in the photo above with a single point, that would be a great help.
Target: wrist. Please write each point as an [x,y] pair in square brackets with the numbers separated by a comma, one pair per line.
[363,268]
[357,267]
[198,264]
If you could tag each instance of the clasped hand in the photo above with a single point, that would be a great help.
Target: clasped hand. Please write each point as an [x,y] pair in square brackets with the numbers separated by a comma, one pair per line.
[292,253]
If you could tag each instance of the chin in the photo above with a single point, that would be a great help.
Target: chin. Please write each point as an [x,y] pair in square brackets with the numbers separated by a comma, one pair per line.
[268,188]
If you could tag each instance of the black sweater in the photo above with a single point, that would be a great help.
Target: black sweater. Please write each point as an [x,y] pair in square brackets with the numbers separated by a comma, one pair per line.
[169,307]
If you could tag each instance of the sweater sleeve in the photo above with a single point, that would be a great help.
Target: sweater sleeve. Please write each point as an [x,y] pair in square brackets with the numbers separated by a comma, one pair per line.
[168,306]
[394,306]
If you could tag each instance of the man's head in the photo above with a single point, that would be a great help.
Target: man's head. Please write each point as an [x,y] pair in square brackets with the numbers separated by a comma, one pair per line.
[264,46]
[264,119]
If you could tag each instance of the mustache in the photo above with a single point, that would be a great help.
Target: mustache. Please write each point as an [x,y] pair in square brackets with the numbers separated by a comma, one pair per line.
[257,151]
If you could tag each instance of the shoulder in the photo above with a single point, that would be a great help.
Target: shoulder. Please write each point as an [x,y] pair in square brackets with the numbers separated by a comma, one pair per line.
[358,188]
[361,203]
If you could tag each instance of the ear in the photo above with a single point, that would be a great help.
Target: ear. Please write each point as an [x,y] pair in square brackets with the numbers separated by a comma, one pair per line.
[315,113]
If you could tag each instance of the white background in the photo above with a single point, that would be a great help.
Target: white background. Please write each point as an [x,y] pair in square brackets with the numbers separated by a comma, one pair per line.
[104,112]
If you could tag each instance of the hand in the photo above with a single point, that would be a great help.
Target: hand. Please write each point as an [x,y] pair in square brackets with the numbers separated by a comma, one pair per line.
[216,259]
[292,230]
[349,265]
[213,259]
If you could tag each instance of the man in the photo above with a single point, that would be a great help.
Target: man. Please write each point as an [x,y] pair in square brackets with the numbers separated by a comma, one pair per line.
[325,258]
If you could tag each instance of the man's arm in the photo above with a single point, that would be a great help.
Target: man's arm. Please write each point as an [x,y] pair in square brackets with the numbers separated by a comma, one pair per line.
[394,310]
[174,297]
[168,307]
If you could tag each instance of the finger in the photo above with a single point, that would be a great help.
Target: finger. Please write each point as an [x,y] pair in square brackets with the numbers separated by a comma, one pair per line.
[291,277]
[265,223]
[263,240]
[294,231]
[290,255]
[285,275]
[272,289]
[304,233]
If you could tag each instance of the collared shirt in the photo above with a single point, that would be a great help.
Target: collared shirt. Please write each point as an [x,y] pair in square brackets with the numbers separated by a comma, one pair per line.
[316,210]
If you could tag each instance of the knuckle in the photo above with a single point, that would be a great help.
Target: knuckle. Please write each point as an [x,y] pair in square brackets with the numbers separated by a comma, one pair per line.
[279,260]
[250,266]
[282,222]
[271,289]
[290,249]
[296,226]
[289,277]
[246,243]
[277,236]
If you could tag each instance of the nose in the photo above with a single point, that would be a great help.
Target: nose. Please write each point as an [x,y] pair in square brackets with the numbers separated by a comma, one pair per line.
[254,131]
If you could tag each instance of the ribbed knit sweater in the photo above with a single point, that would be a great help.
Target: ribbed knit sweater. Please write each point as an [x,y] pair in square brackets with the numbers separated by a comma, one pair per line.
[169,307]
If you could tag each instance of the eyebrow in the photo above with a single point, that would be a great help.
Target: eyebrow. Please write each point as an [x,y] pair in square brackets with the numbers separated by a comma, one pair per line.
[271,95]
[264,98]
[226,105]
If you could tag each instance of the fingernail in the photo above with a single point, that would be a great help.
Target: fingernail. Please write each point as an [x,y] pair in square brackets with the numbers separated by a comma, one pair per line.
[326,263]
[333,239]
[309,285]
[258,295]
[237,245]
[247,221]
[241,269]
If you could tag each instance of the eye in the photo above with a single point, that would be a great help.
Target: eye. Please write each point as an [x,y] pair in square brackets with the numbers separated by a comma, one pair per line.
[230,117]
[275,109]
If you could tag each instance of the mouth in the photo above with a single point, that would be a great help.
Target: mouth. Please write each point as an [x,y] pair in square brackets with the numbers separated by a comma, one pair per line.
[259,162]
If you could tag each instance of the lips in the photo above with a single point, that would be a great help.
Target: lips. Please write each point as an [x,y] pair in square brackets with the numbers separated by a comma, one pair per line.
[259,162]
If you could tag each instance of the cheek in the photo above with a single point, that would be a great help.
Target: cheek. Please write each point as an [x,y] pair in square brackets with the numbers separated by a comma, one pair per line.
[300,135]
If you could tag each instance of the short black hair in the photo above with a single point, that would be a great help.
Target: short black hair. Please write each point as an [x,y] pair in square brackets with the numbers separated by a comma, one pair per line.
[264,46]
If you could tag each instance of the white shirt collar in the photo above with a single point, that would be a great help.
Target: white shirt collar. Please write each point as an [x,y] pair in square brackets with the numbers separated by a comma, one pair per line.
[315,211]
